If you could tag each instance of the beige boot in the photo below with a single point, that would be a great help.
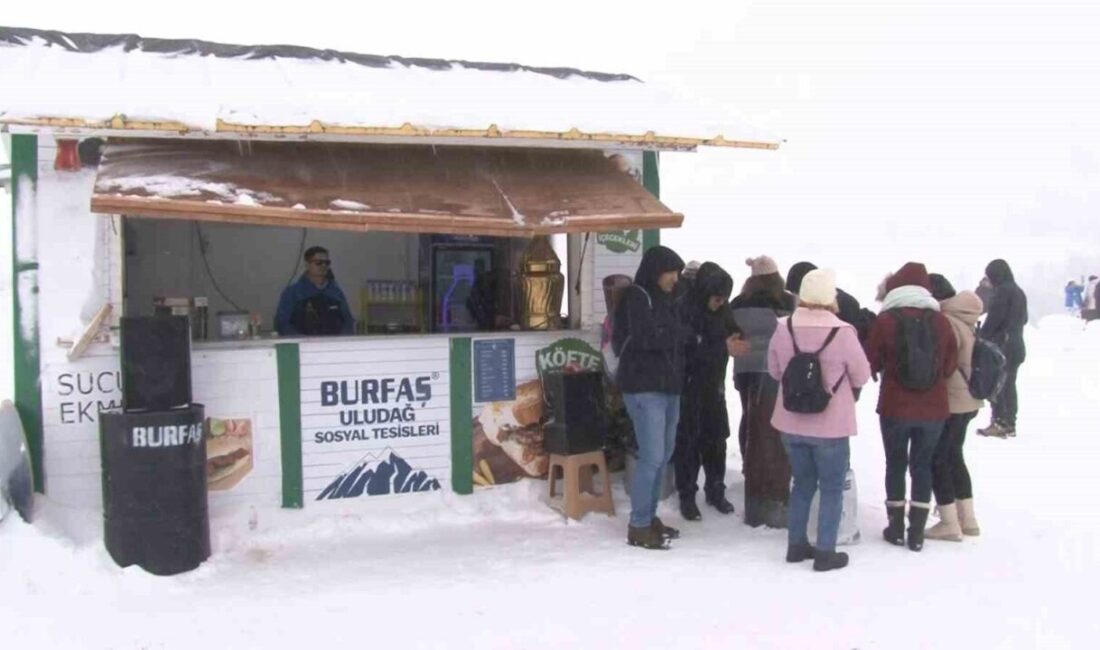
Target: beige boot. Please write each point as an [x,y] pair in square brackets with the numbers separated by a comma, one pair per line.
[967,521]
[948,529]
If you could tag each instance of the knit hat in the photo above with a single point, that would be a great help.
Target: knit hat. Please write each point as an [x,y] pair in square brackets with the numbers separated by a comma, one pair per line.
[913,273]
[941,287]
[795,275]
[762,265]
[818,288]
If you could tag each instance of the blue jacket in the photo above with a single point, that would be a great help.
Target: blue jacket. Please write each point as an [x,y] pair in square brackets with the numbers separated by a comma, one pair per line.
[295,298]
[1075,296]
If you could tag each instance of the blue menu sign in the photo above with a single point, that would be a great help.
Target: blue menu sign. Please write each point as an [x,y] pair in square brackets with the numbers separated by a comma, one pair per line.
[495,370]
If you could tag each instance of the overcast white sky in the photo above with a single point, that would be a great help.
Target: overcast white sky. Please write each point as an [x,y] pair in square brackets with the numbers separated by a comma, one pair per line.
[949,132]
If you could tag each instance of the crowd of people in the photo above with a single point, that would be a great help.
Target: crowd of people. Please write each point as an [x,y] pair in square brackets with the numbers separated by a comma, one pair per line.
[802,350]
[1082,298]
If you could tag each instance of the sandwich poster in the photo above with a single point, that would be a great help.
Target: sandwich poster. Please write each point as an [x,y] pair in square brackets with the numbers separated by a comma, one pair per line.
[508,435]
[228,452]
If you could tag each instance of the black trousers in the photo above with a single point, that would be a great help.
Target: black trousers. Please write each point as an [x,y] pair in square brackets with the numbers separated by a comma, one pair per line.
[710,455]
[909,444]
[950,476]
[1004,409]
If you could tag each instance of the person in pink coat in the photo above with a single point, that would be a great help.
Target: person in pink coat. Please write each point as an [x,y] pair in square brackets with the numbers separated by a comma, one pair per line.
[817,443]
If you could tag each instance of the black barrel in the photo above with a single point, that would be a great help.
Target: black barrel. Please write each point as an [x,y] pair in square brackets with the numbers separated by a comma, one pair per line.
[154,489]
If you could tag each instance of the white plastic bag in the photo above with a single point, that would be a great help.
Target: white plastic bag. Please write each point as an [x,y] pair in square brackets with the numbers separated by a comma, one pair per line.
[848,532]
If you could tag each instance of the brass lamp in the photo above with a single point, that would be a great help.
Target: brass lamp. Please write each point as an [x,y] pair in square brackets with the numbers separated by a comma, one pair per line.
[542,285]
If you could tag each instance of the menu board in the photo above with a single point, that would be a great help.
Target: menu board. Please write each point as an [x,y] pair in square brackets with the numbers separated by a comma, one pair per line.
[495,370]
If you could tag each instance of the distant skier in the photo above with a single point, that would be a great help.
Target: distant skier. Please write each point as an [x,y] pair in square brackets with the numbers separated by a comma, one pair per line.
[1075,297]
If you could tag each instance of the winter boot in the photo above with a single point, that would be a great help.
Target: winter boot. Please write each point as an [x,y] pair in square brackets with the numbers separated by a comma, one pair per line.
[994,430]
[799,552]
[918,518]
[895,515]
[688,509]
[647,538]
[667,532]
[716,498]
[967,521]
[829,560]
[948,528]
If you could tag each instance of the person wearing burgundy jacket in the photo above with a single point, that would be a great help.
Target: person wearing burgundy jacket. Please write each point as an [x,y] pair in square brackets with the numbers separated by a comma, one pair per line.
[817,443]
[911,419]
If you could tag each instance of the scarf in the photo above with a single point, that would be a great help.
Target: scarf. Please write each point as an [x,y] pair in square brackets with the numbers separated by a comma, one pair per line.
[910,295]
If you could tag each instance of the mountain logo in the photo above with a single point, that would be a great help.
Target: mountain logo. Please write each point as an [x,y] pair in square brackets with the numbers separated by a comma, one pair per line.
[375,475]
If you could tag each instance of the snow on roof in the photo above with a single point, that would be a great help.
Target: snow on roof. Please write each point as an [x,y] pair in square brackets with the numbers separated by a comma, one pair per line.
[105,81]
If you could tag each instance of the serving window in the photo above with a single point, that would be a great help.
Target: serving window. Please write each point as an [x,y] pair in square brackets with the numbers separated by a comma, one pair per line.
[230,277]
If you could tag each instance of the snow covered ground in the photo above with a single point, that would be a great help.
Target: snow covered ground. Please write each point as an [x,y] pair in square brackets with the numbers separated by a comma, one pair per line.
[501,570]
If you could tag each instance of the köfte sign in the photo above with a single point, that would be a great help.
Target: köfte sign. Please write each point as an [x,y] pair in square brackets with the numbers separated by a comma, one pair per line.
[568,353]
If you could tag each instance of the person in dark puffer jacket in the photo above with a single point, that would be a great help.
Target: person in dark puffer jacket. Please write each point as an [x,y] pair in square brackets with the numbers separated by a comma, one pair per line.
[1004,325]
[911,420]
[649,339]
[704,420]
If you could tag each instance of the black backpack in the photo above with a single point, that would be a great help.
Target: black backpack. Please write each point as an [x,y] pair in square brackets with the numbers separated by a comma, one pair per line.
[918,364]
[987,370]
[803,382]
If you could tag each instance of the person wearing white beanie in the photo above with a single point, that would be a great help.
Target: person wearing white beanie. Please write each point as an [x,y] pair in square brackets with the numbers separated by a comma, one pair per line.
[816,439]
[818,289]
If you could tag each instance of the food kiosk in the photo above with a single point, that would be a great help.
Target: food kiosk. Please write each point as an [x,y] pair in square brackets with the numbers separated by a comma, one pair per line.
[157,176]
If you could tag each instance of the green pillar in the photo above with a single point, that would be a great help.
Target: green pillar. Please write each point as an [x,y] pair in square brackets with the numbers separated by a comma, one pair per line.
[462,426]
[652,181]
[288,364]
[24,288]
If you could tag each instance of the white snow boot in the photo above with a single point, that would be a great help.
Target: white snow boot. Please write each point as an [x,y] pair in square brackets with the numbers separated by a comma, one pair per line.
[948,527]
[967,521]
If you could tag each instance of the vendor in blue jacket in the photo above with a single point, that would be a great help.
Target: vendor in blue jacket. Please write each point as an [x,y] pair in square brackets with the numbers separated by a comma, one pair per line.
[314,305]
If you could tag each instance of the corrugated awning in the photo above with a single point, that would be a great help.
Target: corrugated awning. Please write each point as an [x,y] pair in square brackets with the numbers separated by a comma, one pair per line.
[421,189]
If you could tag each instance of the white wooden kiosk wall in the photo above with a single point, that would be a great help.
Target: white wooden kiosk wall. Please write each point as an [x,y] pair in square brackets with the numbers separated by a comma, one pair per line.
[275,384]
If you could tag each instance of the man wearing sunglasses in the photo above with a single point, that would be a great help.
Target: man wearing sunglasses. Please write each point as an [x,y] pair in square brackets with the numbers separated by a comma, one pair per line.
[314,305]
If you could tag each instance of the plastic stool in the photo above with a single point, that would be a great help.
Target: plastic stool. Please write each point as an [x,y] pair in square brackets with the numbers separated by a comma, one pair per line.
[578,498]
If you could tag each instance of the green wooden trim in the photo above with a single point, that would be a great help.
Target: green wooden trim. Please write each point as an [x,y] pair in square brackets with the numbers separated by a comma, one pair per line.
[290,422]
[25,358]
[651,179]
[462,413]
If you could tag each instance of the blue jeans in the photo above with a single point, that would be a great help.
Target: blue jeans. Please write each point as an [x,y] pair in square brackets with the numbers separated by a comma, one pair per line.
[816,463]
[655,416]
[909,444]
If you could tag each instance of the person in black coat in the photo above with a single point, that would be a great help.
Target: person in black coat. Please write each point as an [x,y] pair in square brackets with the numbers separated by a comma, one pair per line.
[849,308]
[648,336]
[704,420]
[1004,325]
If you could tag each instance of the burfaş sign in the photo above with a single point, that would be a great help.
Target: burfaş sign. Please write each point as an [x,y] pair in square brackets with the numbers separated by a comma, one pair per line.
[623,241]
[377,409]
[376,427]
